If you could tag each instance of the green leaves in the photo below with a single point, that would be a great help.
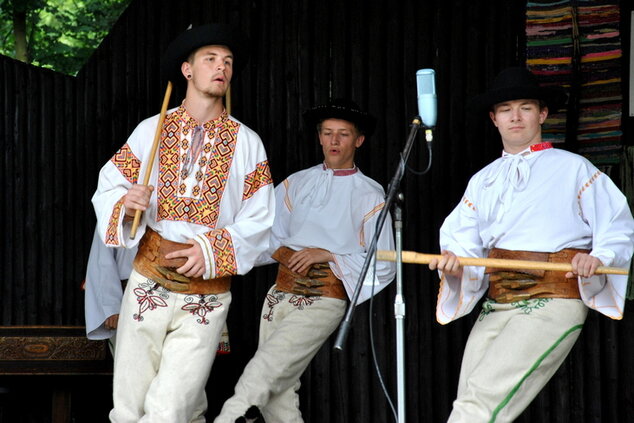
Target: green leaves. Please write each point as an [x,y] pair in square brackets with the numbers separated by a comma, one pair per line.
[56,34]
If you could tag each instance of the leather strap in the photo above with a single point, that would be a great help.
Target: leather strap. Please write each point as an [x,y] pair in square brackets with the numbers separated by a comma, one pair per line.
[509,286]
[318,280]
[150,261]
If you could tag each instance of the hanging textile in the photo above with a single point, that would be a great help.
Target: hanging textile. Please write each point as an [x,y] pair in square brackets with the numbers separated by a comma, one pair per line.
[576,44]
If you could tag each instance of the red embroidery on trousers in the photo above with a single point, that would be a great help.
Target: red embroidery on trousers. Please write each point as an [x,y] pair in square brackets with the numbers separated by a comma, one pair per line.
[205,304]
[149,296]
[271,300]
[300,301]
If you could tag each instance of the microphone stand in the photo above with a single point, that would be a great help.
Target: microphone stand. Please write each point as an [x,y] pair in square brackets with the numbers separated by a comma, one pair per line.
[399,306]
[399,311]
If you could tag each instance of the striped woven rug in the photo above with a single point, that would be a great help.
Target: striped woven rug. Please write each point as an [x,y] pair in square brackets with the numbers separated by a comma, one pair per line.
[576,44]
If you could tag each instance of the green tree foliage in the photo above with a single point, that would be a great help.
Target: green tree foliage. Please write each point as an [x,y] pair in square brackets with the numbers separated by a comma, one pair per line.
[56,34]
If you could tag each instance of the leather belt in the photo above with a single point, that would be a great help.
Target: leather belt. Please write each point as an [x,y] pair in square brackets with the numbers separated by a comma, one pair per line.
[523,284]
[318,280]
[150,261]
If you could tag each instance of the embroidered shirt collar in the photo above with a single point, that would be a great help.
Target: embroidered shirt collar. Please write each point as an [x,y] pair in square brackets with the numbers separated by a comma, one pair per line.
[188,122]
[532,149]
[341,172]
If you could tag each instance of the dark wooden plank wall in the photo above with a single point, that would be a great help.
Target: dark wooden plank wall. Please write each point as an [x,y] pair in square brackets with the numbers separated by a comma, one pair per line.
[57,131]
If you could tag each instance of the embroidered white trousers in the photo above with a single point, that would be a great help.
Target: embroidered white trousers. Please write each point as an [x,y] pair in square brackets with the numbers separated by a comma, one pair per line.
[166,344]
[292,329]
[512,352]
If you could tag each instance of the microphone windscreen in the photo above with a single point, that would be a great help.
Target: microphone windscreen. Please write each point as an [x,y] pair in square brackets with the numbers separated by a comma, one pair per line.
[427,103]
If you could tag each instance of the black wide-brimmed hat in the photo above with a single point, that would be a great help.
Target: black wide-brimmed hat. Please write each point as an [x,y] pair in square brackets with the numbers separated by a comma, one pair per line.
[518,83]
[341,109]
[211,34]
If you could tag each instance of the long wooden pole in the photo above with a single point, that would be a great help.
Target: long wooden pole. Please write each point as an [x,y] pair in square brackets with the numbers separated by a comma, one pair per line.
[150,162]
[228,100]
[420,258]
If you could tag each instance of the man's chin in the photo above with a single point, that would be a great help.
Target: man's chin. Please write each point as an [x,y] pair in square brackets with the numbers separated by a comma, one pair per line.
[216,92]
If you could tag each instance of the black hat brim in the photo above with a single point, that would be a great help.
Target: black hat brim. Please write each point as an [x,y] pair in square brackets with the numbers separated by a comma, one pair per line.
[554,98]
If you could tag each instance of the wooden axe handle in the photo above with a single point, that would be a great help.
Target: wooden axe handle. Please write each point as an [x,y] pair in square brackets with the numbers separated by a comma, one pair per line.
[150,163]
[420,258]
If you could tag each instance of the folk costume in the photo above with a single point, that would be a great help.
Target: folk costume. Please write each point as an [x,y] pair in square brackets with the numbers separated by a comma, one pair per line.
[335,210]
[106,269]
[212,184]
[541,204]
[107,273]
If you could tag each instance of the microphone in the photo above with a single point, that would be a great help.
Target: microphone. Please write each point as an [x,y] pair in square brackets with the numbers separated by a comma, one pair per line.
[427,109]
[426,87]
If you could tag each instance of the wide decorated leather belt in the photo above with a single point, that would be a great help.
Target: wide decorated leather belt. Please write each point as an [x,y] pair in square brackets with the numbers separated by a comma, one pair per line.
[150,261]
[318,280]
[523,284]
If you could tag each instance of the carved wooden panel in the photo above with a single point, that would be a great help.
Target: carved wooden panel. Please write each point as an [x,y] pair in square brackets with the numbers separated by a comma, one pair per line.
[51,350]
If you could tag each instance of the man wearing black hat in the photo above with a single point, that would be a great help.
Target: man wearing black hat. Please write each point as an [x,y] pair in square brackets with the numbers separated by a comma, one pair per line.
[533,203]
[207,213]
[325,217]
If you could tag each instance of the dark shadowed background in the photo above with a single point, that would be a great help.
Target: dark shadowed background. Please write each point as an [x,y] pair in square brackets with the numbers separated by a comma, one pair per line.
[57,131]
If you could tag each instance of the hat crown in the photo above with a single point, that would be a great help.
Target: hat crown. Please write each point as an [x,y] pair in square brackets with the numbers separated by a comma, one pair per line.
[341,108]
[342,103]
[193,38]
[514,77]
[516,83]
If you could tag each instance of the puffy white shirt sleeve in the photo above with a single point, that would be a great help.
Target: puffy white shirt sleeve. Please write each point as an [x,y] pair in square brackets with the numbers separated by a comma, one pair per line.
[107,267]
[606,211]
[281,224]
[460,235]
[114,183]
[348,267]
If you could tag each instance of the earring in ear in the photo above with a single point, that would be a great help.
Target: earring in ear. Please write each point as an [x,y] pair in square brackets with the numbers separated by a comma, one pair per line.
[189,77]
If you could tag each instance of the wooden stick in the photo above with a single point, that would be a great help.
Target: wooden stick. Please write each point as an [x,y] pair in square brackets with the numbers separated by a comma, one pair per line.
[414,257]
[157,137]
[228,100]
